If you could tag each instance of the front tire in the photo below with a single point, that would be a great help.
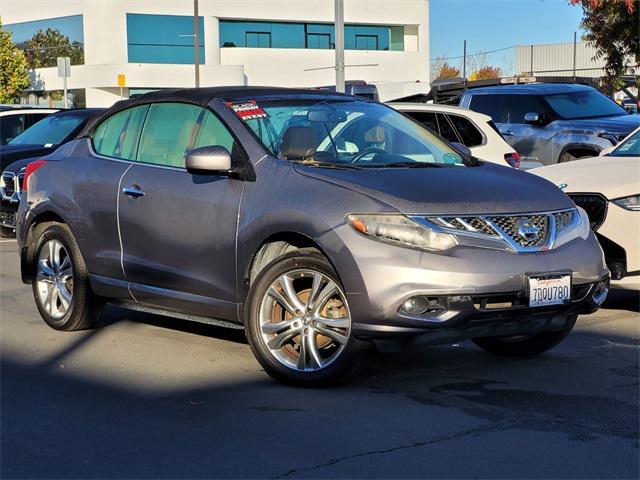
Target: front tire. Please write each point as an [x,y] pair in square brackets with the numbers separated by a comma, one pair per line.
[525,345]
[61,281]
[298,321]
[6,232]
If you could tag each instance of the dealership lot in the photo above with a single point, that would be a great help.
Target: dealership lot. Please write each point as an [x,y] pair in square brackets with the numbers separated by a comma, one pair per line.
[147,396]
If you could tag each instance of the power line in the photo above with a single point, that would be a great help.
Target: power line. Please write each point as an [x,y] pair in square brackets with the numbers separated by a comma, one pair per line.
[474,54]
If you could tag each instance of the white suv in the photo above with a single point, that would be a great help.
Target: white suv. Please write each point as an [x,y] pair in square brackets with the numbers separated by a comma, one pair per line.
[472,129]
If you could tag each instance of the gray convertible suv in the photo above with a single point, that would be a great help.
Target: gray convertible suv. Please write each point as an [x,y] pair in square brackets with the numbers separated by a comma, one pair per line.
[318,222]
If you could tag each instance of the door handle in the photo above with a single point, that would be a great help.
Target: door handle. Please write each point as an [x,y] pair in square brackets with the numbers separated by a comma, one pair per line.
[133,191]
[507,133]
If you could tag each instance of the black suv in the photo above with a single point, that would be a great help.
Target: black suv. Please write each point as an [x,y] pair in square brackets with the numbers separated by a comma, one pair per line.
[552,123]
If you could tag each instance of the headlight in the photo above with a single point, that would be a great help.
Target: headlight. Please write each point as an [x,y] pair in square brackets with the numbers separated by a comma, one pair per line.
[571,224]
[401,230]
[632,202]
[613,137]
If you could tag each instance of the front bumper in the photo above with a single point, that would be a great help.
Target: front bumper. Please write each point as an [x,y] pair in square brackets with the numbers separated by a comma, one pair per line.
[476,285]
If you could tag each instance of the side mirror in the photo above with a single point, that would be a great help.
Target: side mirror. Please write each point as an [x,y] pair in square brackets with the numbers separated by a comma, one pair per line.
[532,118]
[208,160]
[463,149]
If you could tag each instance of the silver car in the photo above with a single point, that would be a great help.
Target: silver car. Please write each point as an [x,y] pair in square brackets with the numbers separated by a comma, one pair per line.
[318,222]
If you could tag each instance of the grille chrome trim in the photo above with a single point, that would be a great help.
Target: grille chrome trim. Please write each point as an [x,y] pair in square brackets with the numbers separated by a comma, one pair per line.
[499,231]
[14,182]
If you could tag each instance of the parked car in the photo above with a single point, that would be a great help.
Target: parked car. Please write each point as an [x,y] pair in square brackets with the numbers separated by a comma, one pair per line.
[553,123]
[608,188]
[42,139]
[461,125]
[45,136]
[315,221]
[16,119]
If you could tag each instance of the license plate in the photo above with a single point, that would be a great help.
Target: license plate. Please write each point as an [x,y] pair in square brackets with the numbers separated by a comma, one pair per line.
[549,290]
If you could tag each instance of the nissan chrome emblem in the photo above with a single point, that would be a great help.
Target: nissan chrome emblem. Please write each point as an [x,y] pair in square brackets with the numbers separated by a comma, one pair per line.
[527,230]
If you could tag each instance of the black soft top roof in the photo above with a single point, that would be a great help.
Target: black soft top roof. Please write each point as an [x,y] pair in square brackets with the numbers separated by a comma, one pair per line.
[202,97]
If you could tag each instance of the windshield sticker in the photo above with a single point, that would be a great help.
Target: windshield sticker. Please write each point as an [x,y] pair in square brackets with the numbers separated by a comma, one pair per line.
[248,110]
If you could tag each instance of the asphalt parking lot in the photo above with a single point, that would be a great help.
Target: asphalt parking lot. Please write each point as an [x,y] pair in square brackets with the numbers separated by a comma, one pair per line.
[146,396]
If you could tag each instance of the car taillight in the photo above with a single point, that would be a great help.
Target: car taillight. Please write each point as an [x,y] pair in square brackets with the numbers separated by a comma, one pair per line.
[513,159]
[32,167]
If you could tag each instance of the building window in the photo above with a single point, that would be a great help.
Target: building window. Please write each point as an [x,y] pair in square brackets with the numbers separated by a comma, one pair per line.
[366,42]
[319,40]
[237,33]
[162,38]
[44,40]
[258,39]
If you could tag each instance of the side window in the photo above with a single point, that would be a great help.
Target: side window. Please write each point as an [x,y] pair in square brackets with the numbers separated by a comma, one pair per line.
[428,119]
[468,132]
[521,105]
[493,105]
[213,132]
[10,127]
[168,133]
[118,135]
[446,130]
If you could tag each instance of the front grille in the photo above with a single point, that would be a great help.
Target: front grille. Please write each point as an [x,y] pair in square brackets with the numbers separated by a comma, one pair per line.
[595,205]
[8,185]
[20,182]
[512,226]
[520,232]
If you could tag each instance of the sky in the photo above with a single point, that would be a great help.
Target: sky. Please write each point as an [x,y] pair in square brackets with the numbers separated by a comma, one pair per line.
[494,24]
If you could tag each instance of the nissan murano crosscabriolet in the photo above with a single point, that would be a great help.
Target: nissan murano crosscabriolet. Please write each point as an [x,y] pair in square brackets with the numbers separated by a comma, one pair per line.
[318,222]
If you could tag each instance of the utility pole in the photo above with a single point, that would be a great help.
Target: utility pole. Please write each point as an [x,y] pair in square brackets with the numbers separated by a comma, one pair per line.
[464,60]
[196,42]
[575,48]
[339,47]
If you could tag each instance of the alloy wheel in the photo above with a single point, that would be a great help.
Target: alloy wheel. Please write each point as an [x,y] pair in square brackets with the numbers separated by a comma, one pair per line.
[304,320]
[54,279]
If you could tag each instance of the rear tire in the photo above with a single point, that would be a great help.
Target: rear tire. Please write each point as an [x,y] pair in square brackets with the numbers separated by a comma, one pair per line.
[298,321]
[525,345]
[61,281]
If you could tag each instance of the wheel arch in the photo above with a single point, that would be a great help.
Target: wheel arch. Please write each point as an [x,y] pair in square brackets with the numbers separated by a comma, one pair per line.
[27,252]
[272,247]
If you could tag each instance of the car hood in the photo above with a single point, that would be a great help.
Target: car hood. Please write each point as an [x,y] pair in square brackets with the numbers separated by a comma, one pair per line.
[622,124]
[487,189]
[11,153]
[613,177]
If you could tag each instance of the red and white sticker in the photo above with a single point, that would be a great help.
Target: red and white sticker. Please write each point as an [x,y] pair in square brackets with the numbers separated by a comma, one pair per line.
[248,110]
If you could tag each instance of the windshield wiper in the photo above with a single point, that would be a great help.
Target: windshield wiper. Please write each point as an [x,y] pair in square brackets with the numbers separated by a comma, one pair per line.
[408,165]
[316,163]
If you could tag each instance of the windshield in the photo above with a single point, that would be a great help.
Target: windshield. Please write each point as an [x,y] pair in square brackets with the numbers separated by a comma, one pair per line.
[344,134]
[583,104]
[628,148]
[49,131]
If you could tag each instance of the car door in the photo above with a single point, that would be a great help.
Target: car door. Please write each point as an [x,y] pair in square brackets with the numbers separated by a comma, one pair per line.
[530,141]
[178,229]
[106,157]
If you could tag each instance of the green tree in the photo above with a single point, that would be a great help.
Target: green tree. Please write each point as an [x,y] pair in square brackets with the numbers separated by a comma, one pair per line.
[44,47]
[14,75]
[613,28]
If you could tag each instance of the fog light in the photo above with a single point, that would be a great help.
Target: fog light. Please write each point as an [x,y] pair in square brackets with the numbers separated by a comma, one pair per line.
[415,306]
[421,306]
[600,292]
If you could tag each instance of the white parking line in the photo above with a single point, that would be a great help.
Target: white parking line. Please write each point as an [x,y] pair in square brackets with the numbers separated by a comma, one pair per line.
[8,240]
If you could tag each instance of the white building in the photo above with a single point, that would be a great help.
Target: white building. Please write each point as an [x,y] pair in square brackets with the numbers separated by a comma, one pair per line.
[242,42]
